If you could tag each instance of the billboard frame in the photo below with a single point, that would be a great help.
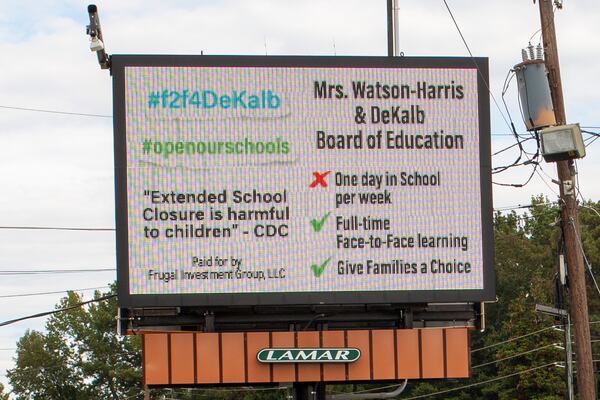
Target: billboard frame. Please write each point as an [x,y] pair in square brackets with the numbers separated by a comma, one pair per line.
[128,300]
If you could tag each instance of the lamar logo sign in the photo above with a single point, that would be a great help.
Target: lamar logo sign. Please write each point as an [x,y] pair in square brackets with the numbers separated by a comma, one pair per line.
[309,355]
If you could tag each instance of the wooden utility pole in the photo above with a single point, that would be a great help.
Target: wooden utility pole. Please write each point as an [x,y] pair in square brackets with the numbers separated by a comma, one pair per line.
[570,219]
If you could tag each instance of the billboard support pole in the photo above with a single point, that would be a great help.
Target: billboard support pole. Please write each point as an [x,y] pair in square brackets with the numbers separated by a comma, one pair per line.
[569,217]
[309,391]
[392,28]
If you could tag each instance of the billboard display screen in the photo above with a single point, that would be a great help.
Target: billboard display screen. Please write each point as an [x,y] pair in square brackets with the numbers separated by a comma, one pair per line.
[302,180]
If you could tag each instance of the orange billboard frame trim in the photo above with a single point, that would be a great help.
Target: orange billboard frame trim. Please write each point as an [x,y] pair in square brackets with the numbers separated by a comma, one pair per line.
[198,358]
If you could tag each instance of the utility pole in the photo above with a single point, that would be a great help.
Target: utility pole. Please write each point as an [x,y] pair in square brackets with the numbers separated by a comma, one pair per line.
[570,220]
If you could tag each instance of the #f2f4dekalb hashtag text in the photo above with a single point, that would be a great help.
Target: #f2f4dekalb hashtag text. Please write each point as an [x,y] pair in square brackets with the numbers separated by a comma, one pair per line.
[209,99]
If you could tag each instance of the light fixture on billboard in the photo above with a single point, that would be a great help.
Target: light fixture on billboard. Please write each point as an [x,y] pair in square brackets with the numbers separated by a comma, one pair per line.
[563,142]
[96,44]
[95,32]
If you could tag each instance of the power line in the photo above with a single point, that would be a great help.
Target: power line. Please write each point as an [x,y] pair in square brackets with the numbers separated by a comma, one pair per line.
[242,389]
[515,207]
[519,185]
[524,336]
[519,206]
[587,263]
[482,382]
[519,143]
[473,58]
[44,314]
[590,132]
[53,271]
[591,208]
[56,228]
[591,141]
[514,338]
[514,356]
[41,110]
[548,185]
[7,296]
[110,116]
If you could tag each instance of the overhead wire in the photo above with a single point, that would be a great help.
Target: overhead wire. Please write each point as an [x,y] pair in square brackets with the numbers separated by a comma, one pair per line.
[53,271]
[515,207]
[518,185]
[240,389]
[587,263]
[535,33]
[41,110]
[473,58]
[8,296]
[519,143]
[372,390]
[47,313]
[56,228]
[590,208]
[590,132]
[533,160]
[514,339]
[589,142]
[577,186]
[110,116]
[548,185]
[514,356]
[482,382]
[591,139]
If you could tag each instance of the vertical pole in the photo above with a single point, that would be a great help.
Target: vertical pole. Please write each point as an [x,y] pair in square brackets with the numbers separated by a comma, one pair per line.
[146,393]
[396,14]
[569,351]
[570,220]
[390,27]
[309,391]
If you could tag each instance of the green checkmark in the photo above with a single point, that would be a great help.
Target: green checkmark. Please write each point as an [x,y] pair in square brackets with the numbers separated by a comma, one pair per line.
[318,269]
[318,224]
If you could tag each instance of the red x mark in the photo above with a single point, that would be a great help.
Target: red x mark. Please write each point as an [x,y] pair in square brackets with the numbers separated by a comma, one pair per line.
[319,179]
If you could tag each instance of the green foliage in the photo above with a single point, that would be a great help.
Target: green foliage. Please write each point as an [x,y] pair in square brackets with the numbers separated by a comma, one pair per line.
[3,396]
[81,357]
[526,249]
[78,357]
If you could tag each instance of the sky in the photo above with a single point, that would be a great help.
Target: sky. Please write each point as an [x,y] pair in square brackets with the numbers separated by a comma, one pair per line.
[57,170]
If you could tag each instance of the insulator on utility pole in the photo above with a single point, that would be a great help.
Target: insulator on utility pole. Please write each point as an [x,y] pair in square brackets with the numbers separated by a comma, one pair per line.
[530,49]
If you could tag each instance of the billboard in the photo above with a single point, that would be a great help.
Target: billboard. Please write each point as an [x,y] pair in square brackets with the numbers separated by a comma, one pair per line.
[302,180]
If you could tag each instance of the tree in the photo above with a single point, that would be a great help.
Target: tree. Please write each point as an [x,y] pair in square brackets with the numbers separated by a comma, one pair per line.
[80,356]
[3,396]
[525,254]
